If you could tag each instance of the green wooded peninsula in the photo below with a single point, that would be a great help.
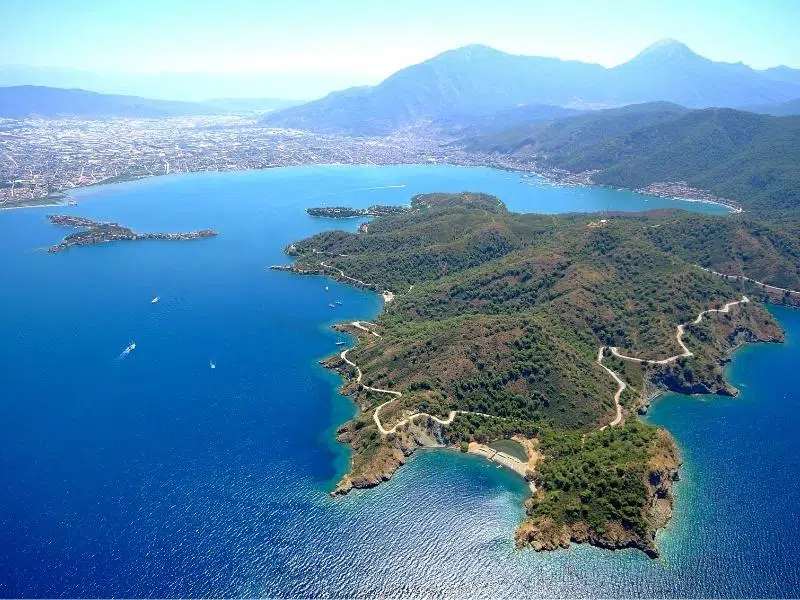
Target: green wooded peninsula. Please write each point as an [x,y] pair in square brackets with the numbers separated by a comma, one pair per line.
[554,331]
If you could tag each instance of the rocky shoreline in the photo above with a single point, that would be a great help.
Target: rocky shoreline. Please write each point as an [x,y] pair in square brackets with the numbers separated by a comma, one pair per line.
[545,535]
[662,472]
[542,535]
[98,232]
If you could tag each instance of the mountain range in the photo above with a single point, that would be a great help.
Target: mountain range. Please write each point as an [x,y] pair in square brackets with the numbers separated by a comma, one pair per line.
[478,80]
[18,102]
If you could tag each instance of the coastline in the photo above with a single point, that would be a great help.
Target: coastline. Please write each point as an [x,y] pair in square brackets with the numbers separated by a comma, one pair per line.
[569,180]
[404,426]
[663,468]
[32,202]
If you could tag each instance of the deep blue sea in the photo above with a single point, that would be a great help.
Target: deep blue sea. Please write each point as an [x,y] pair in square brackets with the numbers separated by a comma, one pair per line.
[153,475]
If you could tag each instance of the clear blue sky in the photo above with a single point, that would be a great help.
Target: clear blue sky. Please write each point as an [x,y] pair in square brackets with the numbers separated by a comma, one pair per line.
[364,41]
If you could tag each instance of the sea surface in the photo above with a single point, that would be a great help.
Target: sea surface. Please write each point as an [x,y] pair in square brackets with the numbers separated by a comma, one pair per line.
[153,475]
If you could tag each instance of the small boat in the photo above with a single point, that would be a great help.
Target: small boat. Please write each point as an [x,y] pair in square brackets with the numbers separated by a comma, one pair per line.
[340,343]
[156,299]
[326,288]
[339,302]
[129,348]
[212,364]
[332,305]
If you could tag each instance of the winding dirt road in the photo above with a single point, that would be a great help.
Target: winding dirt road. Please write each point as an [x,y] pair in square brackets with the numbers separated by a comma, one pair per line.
[621,385]
[761,284]
[387,295]
[680,330]
[396,394]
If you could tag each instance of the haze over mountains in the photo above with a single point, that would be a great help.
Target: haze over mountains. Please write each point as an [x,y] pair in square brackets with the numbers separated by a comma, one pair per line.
[19,102]
[478,80]
[470,90]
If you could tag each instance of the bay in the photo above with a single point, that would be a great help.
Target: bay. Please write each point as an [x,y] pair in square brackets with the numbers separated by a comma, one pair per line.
[154,475]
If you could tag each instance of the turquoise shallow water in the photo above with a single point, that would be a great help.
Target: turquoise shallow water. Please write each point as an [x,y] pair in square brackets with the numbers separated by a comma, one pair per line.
[154,475]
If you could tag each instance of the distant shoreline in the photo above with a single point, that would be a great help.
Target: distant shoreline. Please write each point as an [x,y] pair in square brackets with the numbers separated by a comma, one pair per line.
[732,207]
[20,206]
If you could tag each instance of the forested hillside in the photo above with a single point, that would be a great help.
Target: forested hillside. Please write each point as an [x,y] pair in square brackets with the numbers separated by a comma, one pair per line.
[746,157]
[503,314]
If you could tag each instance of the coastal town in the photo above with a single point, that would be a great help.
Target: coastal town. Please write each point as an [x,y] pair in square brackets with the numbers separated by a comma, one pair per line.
[42,160]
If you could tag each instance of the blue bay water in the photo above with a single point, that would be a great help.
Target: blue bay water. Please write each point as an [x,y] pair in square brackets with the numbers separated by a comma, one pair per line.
[154,475]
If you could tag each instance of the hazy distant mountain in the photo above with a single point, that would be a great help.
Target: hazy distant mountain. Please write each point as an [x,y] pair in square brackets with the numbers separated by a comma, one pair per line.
[783,109]
[669,71]
[477,80]
[474,80]
[29,100]
[783,73]
[246,105]
[185,87]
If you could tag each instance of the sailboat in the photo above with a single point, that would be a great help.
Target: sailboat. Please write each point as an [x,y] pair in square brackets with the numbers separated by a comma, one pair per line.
[212,364]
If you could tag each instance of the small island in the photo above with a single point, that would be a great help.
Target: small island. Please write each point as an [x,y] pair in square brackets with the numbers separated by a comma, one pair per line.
[99,232]
[344,212]
[535,341]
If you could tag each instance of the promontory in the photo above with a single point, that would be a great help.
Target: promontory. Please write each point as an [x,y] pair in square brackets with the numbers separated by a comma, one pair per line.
[98,232]
[544,336]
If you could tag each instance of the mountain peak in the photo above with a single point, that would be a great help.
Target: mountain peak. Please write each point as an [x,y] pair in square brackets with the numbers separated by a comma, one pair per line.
[473,51]
[667,49]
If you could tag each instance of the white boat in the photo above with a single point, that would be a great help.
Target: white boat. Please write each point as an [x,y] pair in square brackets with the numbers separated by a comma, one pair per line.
[340,343]
[326,288]
[129,348]
[212,364]
[332,305]
[339,302]
[156,299]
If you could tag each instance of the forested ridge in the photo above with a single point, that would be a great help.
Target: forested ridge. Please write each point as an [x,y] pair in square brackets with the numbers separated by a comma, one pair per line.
[503,314]
[749,158]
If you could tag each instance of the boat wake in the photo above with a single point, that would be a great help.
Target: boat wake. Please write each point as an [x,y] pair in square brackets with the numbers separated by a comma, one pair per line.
[377,187]
[128,349]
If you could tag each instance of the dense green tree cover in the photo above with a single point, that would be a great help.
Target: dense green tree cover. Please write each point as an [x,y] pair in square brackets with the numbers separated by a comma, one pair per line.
[750,158]
[597,479]
[564,135]
[504,314]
